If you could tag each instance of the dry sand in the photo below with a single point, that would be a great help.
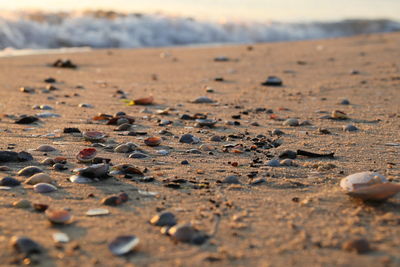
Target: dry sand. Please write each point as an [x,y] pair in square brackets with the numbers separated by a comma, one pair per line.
[260,225]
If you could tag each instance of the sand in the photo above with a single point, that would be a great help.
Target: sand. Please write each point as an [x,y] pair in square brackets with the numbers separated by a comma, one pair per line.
[298,217]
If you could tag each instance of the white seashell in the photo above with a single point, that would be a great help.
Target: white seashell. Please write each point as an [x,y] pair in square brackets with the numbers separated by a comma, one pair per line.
[80,179]
[361,179]
[60,237]
[123,244]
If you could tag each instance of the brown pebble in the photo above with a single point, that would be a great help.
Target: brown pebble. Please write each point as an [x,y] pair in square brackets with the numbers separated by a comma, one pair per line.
[360,246]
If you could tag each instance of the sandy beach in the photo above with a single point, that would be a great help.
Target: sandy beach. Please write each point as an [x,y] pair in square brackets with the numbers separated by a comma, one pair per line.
[294,215]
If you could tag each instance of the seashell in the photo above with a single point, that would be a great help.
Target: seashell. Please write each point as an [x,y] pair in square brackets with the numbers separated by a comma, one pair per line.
[58,216]
[272,81]
[143,101]
[206,122]
[153,141]
[339,115]
[47,161]
[29,171]
[125,169]
[114,120]
[162,152]
[122,120]
[45,148]
[97,212]
[22,204]
[85,105]
[138,155]
[123,148]
[86,155]
[111,201]
[60,237]
[361,179]
[376,192]
[44,188]
[123,127]
[203,100]
[123,244]
[165,218]
[93,136]
[39,178]
[185,233]
[273,163]
[291,122]
[232,179]
[25,245]
[78,179]
[40,207]
[9,181]
[94,171]
[189,139]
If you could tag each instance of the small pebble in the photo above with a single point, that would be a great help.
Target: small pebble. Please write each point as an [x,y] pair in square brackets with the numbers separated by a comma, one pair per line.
[232,179]
[273,163]
[22,204]
[25,245]
[189,139]
[138,155]
[203,100]
[184,162]
[350,128]
[345,102]
[291,122]
[360,246]
[9,181]
[288,154]
[164,219]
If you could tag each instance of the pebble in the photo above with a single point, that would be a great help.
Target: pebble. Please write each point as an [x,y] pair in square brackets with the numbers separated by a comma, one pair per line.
[29,171]
[186,233]
[185,162]
[45,115]
[162,152]
[39,178]
[123,244]
[205,147]
[45,148]
[286,162]
[205,122]
[111,201]
[193,151]
[153,141]
[22,204]
[273,163]
[203,100]
[85,105]
[189,139]
[360,246]
[59,167]
[291,122]
[350,128]
[232,179]
[26,120]
[344,102]
[44,188]
[9,181]
[25,245]
[123,127]
[165,218]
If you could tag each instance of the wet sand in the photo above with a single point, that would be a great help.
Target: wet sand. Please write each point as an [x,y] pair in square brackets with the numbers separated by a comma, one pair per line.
[298,217]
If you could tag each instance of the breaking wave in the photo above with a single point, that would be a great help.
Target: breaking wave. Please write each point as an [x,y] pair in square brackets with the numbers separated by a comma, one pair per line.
[113,30]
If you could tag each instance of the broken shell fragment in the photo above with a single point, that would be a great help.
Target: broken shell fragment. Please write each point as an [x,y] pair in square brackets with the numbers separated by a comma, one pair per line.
[152,141]
[339,115]
[58,216]
[94,136]
[60,237]
[361,179]
[86,155]
[44,188]
[97,212]
[123,244]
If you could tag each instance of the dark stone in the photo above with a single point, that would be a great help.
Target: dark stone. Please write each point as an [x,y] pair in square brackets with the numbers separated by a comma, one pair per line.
[272,81]
[50,80]
[26,245]
[232,179]
[288,154]
[26,120]
[185,162]
[165,218]
[64,63]
[71,130]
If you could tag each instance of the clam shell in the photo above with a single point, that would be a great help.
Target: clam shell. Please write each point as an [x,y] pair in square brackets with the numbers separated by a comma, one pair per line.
[183,233]
[97,212]
[153,141]
[377,192]
[340,115]
[93,136]
[58,216]
[78,179]
[123,244]
[361,179]
[44,188]
[123,148]
[86,155]
[93,171]
[39,178]
[29,171]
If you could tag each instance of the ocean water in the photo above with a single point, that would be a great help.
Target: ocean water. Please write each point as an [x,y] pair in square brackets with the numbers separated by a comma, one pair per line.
[24,30]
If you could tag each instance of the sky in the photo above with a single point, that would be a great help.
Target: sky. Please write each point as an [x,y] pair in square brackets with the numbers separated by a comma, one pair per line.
[254,10]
